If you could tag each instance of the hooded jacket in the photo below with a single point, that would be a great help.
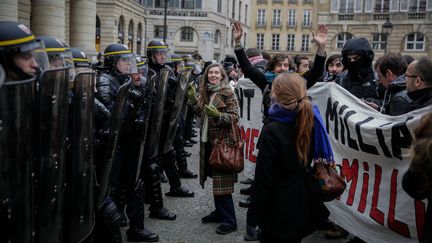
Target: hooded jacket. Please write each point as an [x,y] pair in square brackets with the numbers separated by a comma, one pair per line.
[359,78]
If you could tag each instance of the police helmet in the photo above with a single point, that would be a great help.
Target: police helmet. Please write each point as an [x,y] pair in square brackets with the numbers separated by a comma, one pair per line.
[120,59]
[56,51]
[141,65]
[79,58]
[154,47]
[16,40]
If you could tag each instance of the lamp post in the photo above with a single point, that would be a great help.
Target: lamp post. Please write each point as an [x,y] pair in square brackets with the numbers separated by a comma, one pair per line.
[387,28]
[165,21]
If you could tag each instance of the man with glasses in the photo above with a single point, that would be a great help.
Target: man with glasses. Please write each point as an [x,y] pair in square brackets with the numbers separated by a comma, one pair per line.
[419,83]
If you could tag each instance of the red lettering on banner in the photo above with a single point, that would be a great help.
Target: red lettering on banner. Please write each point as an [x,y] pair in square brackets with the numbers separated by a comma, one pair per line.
[351,174]
[254,134]
[394,224]
[375,213]
[420,211]
[365,188]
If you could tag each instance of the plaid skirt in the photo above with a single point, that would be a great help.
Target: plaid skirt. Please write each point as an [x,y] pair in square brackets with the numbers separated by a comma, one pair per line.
[223,182]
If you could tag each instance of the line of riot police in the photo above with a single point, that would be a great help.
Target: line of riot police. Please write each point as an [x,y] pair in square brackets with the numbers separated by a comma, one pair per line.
[78,147]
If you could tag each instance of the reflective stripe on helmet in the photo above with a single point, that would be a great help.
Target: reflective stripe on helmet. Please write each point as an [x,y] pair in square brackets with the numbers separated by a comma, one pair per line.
[80,59]
[156,47]
[55,49]
[17,41]
[116,52]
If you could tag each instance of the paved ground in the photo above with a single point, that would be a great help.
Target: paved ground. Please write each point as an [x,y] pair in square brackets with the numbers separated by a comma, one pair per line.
[188,227]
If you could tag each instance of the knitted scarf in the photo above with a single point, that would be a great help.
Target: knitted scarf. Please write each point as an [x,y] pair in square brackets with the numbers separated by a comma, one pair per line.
[214,89]
[322,146]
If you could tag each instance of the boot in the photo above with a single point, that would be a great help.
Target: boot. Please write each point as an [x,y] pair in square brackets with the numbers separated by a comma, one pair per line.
[245,203]
[182,164]
[187,174]
[180,192]
[144,235]
[162,213]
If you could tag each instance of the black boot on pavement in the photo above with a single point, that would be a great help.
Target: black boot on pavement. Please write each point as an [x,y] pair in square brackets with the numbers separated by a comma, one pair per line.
[245,203]
[162,213]
[180,191]
[145,235]
[246,191]
[187,174]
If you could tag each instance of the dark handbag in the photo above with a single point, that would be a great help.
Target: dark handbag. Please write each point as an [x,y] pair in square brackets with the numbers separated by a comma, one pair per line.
[227,154]
[329,185]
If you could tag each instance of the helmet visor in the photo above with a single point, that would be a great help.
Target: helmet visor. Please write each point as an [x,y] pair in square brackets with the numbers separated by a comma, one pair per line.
[160,56]
[40,55]
[70,62]
[126,64]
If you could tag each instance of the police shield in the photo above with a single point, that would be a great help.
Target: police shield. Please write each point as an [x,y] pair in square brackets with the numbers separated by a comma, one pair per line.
[171,121]
[50,166]
[156,114]
[103,169]
[79,204]
[17,102]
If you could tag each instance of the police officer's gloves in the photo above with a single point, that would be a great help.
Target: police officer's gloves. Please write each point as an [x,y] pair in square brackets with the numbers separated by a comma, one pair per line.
[135,96]
[191,92]
[212,111]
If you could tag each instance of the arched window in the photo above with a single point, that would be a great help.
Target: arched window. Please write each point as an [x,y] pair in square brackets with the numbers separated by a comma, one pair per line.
[120,36]
[342,38]
[187,34]
[98,32]
[131,35]
[217,37]
[138,40]
[415,42]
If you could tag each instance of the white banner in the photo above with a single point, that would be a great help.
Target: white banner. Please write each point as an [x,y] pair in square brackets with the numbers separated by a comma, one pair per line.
[373,151]
[250,99]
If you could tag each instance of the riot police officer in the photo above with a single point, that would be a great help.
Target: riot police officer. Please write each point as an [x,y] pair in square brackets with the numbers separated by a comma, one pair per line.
[178,67]
[22,56]
[128,186]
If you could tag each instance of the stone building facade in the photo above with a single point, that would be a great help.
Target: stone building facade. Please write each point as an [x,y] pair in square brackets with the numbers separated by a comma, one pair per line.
[411,20]
[91,25]
[283,26]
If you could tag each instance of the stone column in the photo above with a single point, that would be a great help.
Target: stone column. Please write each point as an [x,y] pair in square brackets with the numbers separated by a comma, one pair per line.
[82,27]
[48,18]
[9,10]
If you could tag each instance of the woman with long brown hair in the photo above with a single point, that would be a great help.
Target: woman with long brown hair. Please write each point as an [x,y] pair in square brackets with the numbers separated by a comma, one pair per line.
[283,203]
[217,106]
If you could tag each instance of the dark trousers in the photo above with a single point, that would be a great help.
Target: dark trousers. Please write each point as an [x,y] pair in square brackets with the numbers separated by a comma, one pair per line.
[225,209]
[188,123]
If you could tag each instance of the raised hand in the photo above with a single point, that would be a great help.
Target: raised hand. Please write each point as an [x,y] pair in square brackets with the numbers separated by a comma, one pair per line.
[238,31]
[320,37]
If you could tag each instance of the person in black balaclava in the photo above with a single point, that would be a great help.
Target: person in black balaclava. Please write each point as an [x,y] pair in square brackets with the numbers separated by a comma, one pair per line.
[359,78]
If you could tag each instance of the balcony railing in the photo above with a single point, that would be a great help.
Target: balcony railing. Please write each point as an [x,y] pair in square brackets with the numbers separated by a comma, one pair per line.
[378,16]
[346,17]
[307,24]
[262,1]
[416,15]
[292,24]
[292,1]
[261,24]
[276,24]
[308,1]
[277,1]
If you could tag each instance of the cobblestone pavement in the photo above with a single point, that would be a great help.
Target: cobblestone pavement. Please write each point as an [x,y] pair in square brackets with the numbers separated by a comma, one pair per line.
[188,227]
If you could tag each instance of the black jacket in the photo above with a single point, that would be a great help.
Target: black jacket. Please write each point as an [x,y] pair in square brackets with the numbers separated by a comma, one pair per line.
[421,98]
[396,100]
[283,203]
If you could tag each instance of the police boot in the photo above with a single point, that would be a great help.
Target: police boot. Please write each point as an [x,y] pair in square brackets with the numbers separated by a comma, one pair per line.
[155,194]
[119,196]
[136,231]
[182,165]
[176,190]
[180,191]
[111,219]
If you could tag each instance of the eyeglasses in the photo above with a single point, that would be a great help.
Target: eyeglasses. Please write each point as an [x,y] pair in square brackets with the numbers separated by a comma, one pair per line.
[411,76]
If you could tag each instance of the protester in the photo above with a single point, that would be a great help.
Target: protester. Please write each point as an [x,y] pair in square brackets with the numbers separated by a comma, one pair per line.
[359,78]
[278,64]
[302,63]
[283,200]
[391,74]
[419,83]
[217,106]
[333,67]
[417,181]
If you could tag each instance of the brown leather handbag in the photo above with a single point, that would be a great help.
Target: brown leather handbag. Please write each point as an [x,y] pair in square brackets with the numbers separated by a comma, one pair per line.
[329,184]
[227,153]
